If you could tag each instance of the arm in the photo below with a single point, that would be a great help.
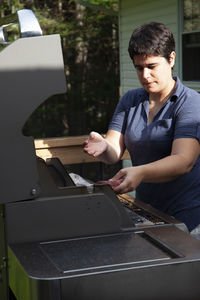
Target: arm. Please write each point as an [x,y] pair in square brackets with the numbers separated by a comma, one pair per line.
[184,154]
[109,149]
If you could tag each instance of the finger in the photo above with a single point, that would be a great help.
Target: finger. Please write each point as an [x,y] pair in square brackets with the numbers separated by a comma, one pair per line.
[85,147]
[85,142]
[93,135]
[91,152]
[97,153]
[119,175]
[121,191]
[120,188]
[124,187]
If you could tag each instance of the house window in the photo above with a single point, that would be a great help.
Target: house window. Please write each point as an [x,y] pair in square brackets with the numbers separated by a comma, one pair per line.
[191,40]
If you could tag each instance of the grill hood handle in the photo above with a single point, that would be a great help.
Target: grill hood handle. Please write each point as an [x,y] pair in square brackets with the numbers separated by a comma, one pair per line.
[28,25]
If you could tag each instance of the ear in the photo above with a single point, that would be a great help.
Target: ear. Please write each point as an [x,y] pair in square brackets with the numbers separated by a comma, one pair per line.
[172,58]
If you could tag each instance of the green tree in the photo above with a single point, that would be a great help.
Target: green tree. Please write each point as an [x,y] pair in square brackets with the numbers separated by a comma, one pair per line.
[89,32]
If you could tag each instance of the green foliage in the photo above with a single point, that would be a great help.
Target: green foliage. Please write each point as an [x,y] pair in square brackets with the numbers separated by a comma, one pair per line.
[107,6]
[90,51]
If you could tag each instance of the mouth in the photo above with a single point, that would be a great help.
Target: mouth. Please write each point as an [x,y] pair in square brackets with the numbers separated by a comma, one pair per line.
[148,83]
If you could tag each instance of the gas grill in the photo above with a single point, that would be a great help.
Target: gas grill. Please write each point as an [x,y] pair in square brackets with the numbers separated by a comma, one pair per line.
[60,241]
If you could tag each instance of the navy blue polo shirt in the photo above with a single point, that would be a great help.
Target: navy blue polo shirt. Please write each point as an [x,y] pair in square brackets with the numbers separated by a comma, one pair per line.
[179,117]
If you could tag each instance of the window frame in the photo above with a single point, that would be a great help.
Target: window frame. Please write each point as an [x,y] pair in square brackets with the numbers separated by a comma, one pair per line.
[192,84]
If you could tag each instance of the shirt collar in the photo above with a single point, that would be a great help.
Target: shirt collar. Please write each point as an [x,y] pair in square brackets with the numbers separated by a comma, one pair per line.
[178,89]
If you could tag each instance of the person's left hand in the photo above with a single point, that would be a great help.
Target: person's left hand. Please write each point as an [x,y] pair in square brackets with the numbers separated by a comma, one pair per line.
[128,178]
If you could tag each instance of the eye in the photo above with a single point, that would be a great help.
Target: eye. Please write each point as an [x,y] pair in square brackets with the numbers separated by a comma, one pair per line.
[139,68]
[151,67]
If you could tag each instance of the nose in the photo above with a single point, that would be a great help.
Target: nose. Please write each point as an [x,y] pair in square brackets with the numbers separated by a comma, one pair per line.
[146,73]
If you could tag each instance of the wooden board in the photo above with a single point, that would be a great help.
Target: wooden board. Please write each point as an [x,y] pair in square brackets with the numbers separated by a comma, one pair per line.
[69,150]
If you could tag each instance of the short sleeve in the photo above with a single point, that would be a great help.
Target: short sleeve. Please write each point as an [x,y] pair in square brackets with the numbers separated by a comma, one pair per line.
[187,123]
[119,119]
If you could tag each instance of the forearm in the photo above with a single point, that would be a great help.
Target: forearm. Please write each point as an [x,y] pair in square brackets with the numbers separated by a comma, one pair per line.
[166,169]
[111,155]
[182,159]
[163,170]
[184,155]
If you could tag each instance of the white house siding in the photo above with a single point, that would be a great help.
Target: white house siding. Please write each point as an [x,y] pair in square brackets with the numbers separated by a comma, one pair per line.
[136,12]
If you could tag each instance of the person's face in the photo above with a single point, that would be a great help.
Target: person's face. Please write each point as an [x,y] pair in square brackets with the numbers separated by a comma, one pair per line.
[154,72]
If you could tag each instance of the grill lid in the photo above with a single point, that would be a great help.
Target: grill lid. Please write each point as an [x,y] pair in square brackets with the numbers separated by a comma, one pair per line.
[31,70]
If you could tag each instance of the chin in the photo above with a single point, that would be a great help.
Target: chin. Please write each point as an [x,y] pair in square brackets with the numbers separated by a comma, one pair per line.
[149,86]
[150,89]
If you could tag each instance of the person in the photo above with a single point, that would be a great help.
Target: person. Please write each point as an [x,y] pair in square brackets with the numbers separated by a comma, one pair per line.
[159,124]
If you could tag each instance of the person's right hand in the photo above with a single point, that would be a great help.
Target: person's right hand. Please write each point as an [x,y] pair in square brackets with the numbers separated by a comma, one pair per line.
[95,144]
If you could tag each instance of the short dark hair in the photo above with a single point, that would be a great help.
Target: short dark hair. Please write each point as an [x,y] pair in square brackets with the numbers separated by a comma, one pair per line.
[151,39]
